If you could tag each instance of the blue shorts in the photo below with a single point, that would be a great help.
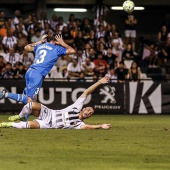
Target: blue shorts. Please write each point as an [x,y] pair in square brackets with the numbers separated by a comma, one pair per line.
[33,83]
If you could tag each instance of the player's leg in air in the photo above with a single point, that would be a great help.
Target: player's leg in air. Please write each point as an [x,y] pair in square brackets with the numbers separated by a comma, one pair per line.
[33,84]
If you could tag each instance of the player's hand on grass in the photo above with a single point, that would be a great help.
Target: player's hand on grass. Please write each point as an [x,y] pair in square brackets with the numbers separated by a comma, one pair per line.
[106,126]
[104,80]
[44,38]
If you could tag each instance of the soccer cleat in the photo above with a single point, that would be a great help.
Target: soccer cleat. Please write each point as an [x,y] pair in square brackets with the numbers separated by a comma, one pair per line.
[5,124]
[2,94]
[15,118]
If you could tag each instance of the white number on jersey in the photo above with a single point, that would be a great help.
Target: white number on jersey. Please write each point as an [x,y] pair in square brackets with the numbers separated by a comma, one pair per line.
[41,56]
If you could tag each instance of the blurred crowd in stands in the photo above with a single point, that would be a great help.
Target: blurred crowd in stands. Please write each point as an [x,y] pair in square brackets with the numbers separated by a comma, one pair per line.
[100,49]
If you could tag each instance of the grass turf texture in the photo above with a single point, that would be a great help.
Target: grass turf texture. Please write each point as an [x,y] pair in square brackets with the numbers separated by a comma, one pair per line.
[134,143]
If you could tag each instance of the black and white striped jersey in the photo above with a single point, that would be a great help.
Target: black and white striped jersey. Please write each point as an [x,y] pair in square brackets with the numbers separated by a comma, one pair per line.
[67,118]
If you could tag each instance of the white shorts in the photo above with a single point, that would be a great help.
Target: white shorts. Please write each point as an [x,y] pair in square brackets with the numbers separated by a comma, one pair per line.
[130,33]
[42,124]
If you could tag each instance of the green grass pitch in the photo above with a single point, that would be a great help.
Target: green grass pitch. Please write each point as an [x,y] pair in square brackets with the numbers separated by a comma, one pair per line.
[133,143]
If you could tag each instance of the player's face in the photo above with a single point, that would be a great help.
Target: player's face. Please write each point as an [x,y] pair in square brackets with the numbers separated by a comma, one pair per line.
[87,112]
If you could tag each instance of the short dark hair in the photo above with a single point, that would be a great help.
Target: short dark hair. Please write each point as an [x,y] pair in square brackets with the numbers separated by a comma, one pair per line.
[51,38]
[121,62]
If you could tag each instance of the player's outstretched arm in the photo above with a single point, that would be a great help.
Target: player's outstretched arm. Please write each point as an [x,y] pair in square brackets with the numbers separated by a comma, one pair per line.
[103,126]
[89,90]
[60,41]
[30,47]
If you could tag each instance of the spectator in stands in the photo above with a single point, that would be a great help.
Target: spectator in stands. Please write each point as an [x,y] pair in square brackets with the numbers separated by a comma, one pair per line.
[12,57]
[92,39]
[100,65]
[86,27]
[86,50]
[92,54]
[100,21]
[46,29]
[9,25]
[128,55]
[110,32]
[162,35]
[31,33]
[71,20]
[118,40]
[102,49]
[34,24]
[111,59]
[61,23]
[117,51]
[111,75]
[80,56]
[28,21]
[44,20]
[2,18]
[81,77]
[73,68]
[16,18]
[79,41]
[36,37]
[121,73]
[130,30]
[21,42]
[99,41]
[134,72]
[57,30]
[19,72]
[67,36]
[88,68]
[21,28]
[3,32]
[2,63]
[165,53]
[9,41]
[101,32]
[74,30]
[53,22]
[62,62]
[26,58]
[7,72]
[150,55]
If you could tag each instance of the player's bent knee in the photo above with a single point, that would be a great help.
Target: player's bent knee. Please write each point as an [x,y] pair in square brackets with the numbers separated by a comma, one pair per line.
[34,125]
[28,107]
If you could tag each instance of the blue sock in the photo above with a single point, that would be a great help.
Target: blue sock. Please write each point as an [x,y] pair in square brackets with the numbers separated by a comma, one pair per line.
[18,97]
[26,117]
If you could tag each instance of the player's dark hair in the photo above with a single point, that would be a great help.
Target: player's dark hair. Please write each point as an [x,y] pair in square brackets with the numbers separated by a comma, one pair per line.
[51,37]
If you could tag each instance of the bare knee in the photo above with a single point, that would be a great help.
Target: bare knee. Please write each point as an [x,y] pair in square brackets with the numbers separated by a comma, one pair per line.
[36,107]
[34,125]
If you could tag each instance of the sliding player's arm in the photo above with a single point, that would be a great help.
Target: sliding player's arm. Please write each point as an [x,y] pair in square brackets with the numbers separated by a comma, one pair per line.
[30,47]
[103,126]
[89,90]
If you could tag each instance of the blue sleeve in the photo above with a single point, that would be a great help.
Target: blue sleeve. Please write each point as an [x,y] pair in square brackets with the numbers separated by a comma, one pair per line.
[35,48]
[61,50]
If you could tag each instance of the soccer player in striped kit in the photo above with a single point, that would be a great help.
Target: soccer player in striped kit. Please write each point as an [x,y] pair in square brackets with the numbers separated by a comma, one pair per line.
[70,117]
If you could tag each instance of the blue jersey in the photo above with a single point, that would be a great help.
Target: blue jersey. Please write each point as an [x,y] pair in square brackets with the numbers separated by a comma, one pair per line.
[46,56]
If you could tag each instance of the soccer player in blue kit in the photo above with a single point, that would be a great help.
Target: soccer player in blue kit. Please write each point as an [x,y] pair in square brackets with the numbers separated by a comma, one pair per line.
[46,55]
